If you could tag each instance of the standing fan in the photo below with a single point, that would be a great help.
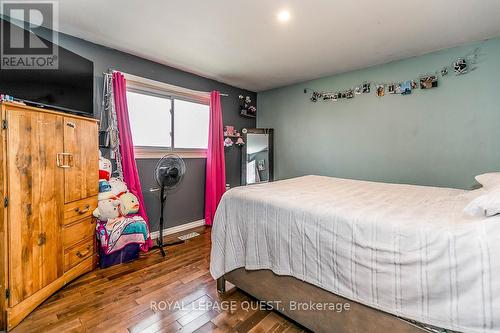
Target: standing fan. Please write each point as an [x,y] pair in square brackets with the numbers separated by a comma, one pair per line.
[168,174]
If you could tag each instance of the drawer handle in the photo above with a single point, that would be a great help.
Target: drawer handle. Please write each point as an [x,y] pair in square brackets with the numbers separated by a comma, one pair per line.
[60,160]
[83,211]
[83,254]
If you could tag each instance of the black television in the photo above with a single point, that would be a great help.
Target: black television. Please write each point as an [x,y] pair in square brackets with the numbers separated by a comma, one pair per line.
[70,88]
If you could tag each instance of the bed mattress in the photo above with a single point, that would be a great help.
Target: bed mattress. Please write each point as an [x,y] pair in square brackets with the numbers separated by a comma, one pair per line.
[407,250]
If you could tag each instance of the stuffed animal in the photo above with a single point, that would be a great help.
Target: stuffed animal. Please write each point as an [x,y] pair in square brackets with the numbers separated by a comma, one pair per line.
[129,203]
[118,186]
[108,205]
[105,167]
[105,191]
[108,209]
[114,198]
[104,186]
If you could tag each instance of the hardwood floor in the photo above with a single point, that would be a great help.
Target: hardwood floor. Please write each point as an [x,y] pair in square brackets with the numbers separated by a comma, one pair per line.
[141,297]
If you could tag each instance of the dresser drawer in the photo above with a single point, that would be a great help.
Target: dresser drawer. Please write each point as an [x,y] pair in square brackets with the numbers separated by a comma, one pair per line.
[78,253]
[77,232]
[77,210]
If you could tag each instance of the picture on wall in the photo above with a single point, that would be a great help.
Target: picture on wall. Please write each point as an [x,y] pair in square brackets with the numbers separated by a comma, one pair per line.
[405,88]
[428,82]
[330,97]
[391,88]
[366,88]
[380,90]
[460,66]
[315,96]
[398,88]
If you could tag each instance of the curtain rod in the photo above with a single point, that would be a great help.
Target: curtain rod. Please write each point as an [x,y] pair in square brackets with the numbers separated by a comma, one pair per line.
[146,79]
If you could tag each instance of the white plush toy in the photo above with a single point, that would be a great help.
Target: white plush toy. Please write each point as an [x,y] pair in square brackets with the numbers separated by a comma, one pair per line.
[105,167]
[118,186]
[108,209]
[114,199]
[129,203]
[104,190]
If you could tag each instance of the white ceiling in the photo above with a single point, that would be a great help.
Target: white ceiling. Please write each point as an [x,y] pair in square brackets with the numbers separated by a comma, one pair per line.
[240,42]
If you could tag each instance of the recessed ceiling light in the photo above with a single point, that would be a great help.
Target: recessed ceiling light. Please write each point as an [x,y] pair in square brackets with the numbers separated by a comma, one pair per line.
[284,16]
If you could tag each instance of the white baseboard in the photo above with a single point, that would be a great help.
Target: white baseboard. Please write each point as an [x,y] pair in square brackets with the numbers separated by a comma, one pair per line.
[179,228]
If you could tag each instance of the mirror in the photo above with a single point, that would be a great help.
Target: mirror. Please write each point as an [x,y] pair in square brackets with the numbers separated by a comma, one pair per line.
[257,156]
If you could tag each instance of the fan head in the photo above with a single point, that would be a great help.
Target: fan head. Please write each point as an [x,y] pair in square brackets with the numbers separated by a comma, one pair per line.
[169,171]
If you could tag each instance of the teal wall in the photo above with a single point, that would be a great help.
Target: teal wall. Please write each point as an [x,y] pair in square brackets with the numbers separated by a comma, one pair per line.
[441,137]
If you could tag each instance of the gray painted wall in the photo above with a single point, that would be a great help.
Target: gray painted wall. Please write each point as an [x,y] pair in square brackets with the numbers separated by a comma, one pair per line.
[187,203]
[440,137]
[184,204]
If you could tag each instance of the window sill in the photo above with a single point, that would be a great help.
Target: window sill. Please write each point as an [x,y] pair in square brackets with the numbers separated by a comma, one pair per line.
[156,153]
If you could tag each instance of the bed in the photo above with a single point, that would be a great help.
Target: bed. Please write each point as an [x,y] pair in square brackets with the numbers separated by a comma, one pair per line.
[401,251]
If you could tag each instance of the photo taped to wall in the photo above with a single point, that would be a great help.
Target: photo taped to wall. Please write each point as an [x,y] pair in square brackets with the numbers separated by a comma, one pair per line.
[428,82]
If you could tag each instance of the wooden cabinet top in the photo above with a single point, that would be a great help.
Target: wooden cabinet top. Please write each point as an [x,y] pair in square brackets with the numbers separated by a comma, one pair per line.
[20,106]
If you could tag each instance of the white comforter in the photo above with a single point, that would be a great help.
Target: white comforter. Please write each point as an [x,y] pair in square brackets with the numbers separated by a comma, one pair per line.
[407,250]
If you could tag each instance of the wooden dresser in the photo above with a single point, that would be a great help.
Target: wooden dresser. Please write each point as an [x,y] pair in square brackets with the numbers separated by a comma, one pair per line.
[48,188]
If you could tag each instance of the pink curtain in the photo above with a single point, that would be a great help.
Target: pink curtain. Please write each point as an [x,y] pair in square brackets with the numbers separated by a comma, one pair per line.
[216,167]
[130,174]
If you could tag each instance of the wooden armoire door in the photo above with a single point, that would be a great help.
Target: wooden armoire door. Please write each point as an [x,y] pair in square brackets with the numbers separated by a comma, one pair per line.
[35,194]
[82,155]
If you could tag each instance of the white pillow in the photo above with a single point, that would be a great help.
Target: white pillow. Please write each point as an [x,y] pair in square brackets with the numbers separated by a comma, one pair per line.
[485,205]
[489,180]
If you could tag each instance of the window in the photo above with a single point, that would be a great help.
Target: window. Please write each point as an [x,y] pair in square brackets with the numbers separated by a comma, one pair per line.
[190,124]
[161,122]
[150,120]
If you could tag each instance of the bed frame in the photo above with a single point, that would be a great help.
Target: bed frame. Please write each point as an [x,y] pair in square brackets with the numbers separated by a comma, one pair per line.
[269,287]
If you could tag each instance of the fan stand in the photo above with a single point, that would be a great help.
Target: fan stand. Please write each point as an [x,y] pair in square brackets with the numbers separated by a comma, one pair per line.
[163,199]
[159,242]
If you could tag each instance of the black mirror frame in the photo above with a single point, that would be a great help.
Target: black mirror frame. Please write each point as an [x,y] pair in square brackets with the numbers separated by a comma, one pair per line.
[270,133]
